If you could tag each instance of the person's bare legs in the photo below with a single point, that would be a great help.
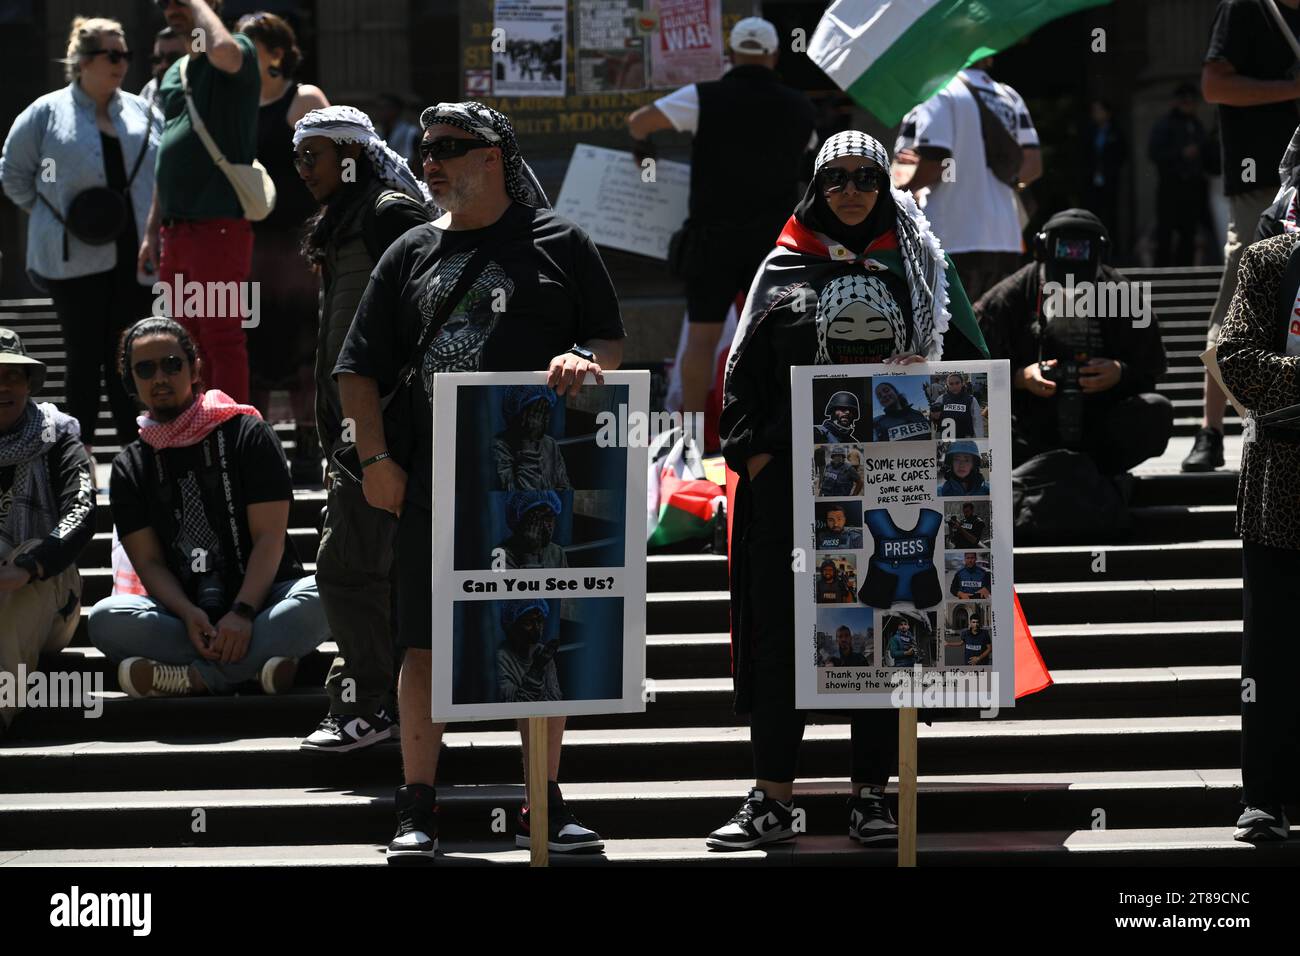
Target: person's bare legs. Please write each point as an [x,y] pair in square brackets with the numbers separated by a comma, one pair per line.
[697,364]
[421,737]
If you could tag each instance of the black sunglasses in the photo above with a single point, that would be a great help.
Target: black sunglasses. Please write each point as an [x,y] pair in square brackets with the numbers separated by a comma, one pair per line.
[148,368]
[114,56]
[164,4]
[866,179]
[449,148]
[305,159]
[168,58]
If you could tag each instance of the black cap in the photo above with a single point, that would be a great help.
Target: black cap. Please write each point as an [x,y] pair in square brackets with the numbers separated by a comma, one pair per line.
[12,352]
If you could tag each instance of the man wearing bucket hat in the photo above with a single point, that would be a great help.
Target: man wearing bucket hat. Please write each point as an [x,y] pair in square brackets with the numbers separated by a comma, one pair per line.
[748,112]
[47,516]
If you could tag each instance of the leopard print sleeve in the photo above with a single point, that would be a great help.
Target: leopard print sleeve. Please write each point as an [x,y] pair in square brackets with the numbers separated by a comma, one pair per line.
[1259,376]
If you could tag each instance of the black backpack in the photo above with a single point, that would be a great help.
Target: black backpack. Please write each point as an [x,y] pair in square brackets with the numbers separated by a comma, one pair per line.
[1059,497]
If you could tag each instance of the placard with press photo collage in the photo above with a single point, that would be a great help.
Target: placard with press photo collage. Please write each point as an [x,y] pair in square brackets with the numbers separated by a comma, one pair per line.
[538,546]
[904,514]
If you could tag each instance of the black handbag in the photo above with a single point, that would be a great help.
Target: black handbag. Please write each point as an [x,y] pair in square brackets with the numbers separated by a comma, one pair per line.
[398,405]
[98,215]
[1003,154]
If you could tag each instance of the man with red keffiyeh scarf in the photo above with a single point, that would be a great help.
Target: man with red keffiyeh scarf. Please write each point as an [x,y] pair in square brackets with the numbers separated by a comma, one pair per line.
[201,503]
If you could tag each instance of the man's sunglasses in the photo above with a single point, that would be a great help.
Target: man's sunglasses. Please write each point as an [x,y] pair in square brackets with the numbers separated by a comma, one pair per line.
[168,58]
[148,368]
[114,56]
[449,148]
[866,179]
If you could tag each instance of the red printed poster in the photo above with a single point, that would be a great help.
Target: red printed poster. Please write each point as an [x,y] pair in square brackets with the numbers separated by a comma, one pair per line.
[687,47]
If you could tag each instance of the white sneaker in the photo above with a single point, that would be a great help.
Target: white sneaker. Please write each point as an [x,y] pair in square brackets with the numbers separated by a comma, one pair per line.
[278,674]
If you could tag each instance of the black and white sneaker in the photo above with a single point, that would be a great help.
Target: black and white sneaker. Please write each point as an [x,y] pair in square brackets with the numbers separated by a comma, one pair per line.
[339,733]
[416,840]
[758,821]
[567,835]
[870,822]
[1262,825]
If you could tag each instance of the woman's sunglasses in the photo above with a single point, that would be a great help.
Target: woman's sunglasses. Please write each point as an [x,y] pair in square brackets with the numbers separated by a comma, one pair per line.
[449,148]
[305,159]
[114,56]
[148,368]
[866,179]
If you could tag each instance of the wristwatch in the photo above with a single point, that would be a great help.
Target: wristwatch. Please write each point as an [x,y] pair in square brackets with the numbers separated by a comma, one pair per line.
[579,351]
[28,564]
[244,610]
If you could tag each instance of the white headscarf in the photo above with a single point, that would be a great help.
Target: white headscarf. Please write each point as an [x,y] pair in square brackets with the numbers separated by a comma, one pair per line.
[347,124]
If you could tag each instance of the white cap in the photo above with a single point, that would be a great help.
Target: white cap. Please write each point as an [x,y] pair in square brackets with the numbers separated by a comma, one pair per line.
[754,35]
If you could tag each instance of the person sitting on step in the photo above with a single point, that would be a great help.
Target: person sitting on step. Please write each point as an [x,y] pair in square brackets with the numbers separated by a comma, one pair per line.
[201,503]
[47,516]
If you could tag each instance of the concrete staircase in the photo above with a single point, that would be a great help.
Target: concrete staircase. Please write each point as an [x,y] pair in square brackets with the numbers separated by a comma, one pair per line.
[1129,759]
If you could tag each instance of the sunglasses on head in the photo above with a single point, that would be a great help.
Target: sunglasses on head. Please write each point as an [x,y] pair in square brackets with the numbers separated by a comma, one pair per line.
[148,368]
[866,179]
[447,147]
[114,56]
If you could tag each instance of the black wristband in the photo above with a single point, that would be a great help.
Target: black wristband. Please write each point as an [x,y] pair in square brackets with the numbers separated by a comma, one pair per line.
[375,458]
[244,610]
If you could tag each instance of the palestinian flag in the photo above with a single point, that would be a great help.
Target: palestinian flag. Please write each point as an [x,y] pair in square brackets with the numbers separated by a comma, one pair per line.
[890,55]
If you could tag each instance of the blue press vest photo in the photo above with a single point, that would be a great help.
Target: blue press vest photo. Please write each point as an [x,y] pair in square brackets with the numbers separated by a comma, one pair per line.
[907,555]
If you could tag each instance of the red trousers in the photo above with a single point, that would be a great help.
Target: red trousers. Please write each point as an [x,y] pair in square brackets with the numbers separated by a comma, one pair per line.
[211,251]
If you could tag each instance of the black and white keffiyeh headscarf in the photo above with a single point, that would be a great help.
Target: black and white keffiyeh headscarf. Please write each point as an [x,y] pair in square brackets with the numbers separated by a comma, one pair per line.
[347,124]
[921,252]
[34,507]
[492,126]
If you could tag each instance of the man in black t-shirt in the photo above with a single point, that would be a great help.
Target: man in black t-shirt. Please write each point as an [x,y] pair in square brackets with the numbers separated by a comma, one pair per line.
[1250,72]
[201,503]
[542,300]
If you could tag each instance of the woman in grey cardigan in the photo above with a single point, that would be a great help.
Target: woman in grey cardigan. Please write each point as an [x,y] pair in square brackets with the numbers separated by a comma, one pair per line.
[88,134]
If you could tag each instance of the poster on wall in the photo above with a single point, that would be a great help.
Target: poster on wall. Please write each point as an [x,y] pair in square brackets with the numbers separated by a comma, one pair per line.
[610,52]
[902,478]
[538,546]
[687,46]
[531,59]
[605,194]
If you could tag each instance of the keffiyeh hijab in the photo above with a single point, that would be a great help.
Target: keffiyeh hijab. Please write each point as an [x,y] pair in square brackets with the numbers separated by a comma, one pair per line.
[347,124]
[922,256]
[34,509]
[492,126]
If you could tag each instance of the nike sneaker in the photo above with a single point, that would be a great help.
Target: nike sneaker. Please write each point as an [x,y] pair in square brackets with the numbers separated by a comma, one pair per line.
[416,840]
[759,820]
[566,834]
[339,733]
[1262,825]
[870,822]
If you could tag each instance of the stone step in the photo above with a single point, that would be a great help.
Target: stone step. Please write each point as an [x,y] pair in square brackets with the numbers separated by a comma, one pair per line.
[639,753]
[631,810]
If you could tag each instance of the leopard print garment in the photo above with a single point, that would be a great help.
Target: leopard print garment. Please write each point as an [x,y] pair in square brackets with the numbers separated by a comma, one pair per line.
[1263,379]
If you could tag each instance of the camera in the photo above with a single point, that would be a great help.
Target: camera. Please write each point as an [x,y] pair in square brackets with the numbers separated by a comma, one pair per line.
[1069,397]
[210,595]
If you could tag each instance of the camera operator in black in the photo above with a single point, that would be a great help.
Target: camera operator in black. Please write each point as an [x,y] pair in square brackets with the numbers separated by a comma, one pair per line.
[1085,384]
[966,531]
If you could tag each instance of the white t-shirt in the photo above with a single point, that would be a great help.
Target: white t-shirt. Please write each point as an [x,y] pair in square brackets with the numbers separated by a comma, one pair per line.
[682,107]
[975,212]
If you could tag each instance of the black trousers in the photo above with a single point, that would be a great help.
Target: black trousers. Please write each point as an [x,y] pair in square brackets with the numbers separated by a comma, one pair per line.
[93,312]
[728,269]
[1118,435]
[776,727]
[1270,659]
